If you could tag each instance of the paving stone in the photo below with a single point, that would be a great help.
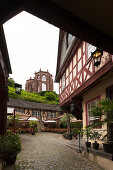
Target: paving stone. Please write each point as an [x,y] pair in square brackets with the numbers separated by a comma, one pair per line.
[49,151]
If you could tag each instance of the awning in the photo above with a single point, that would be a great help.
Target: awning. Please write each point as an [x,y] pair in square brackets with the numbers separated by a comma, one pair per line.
[33,119]
[49,121]
[10,110]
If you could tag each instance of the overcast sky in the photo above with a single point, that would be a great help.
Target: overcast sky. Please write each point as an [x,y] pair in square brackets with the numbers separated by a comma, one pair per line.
[32,44]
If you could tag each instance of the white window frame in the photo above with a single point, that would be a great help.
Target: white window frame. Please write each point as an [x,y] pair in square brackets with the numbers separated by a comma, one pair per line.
[91,119]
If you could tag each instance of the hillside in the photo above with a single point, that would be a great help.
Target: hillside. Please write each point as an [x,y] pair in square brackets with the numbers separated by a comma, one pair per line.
[46,97]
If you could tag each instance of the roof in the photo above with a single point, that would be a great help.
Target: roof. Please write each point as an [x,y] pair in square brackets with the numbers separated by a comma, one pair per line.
[32,105]
[4,50]
[88,20]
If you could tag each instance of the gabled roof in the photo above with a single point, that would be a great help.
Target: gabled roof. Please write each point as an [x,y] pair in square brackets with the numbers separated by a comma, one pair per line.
[71,52]
[32,105]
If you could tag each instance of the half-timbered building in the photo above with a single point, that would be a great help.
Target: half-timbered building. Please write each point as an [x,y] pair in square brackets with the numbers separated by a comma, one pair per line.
[81,84]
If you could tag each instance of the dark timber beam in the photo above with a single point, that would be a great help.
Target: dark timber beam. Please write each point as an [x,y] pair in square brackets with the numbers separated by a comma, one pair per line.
[3,104]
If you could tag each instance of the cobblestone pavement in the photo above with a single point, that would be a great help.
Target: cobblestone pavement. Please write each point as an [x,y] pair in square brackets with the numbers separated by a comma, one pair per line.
[48,151]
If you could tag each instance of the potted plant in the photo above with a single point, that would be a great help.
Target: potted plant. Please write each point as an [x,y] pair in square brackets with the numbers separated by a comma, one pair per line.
[67,136]
[33,125]
[87,132]
[95,135]
[105,107]
[11,146]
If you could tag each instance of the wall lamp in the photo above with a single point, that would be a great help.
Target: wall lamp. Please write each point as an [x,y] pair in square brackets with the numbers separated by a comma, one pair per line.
[96,55]
[18,88]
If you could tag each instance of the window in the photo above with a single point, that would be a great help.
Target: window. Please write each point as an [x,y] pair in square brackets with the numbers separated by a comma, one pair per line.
[36,113]
[49,114]
[63,82]
[43,87]
[90,49]
[43,78]
[38,76]
[90,118]
[32,85]
[69,38]
[53,114]
[19,110]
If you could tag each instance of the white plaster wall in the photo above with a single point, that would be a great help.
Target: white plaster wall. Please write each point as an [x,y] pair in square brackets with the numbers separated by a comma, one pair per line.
[98,90]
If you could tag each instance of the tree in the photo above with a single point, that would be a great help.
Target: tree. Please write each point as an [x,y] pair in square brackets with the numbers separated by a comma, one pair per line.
[11,82]
[65,121]
[50,96]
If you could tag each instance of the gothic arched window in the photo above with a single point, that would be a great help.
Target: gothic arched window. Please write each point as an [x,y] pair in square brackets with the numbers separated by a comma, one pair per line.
[38,76]
[43,87]
[43,78]
[32,85]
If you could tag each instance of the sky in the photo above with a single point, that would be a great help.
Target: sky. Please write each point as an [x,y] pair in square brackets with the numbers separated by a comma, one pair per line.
[32,44]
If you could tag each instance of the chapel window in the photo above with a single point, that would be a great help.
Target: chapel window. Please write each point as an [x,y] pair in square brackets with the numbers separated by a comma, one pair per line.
[43,78]
[43,87]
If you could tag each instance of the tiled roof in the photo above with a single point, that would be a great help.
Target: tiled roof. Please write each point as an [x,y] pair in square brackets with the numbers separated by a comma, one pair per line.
[32,105]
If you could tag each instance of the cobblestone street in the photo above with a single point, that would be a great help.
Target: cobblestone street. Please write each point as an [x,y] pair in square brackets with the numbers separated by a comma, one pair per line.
[48,151]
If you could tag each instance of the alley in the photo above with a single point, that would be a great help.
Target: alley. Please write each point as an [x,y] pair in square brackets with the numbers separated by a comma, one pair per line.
[48,151]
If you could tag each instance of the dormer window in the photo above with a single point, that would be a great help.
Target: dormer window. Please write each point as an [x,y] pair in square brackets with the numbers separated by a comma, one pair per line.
[69,38]
[63,82]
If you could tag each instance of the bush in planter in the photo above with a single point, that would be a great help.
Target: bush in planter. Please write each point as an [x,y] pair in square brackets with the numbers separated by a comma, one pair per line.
[87,131]
[95,135]
[34,125]
[11,146]
[105,107]
[67,136]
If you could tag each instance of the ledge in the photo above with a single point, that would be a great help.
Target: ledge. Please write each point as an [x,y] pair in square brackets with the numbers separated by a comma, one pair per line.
[101,153]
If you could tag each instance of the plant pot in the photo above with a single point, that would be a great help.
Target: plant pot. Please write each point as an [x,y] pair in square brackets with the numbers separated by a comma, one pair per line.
[88,144]
[69,136]
[95,145]
[10,158]
[33,133]
[108,147]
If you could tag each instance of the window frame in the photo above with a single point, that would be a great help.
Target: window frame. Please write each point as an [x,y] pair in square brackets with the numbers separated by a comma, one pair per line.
[87,115]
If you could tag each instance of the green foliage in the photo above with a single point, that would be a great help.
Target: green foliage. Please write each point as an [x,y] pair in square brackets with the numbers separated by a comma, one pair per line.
[87,131]
[104,107]
[78,124]
[11,82]
[76,127]
[11,119]
[34,97]
[50,96]
[63,121]
[33,124]
[95,135]
[10,143]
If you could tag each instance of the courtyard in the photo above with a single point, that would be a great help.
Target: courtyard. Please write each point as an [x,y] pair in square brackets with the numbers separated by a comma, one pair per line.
[49,151]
